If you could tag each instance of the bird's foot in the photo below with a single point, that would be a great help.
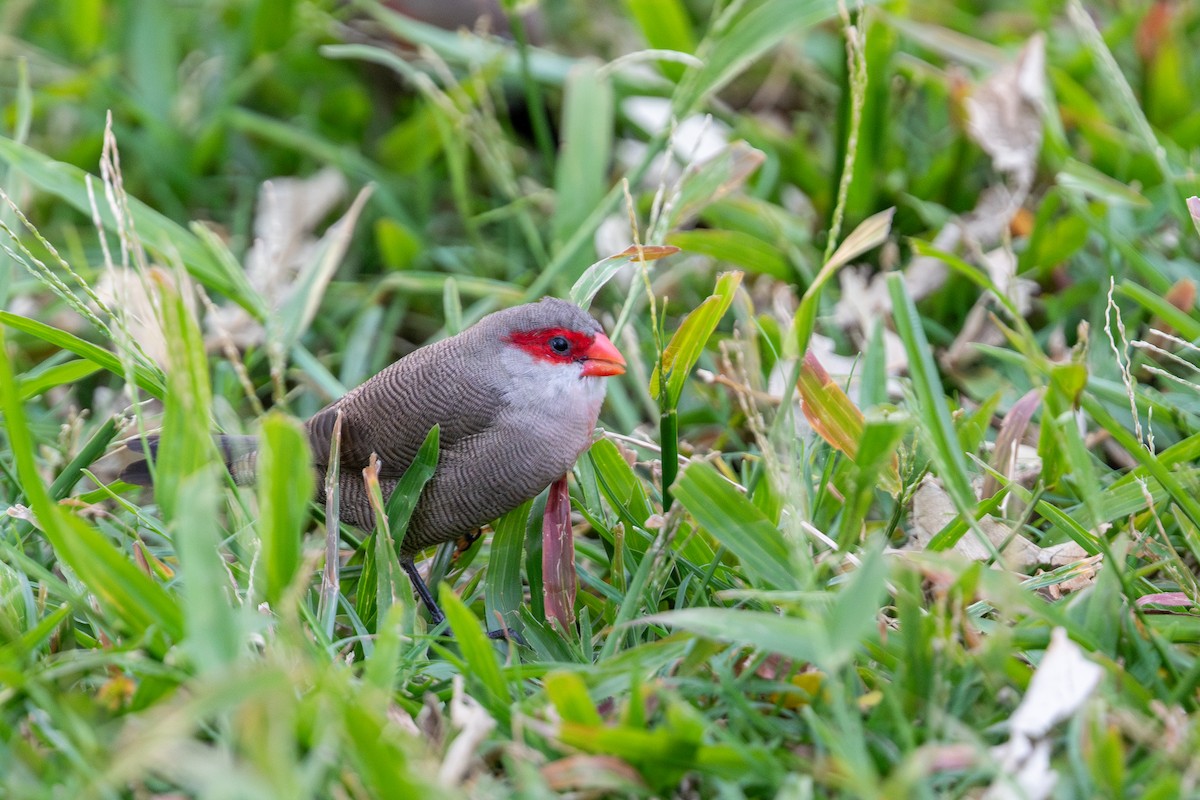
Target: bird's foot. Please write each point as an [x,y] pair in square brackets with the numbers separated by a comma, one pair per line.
[508,633]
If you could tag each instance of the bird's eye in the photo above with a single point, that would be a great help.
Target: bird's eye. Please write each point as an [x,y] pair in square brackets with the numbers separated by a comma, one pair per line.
[559,344]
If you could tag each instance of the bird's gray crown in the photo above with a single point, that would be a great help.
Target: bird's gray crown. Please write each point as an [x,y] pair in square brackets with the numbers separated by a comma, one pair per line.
[549,312]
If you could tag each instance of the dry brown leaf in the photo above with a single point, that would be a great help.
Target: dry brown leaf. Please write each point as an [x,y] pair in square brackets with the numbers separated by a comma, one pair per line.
[933,510]
[126,293]
[1005,118]
[980,326]
[1005,112]
[1009,438]
[592,776]
[287,212]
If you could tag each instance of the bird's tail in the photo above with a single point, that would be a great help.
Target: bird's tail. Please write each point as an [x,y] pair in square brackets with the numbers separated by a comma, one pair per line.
[240,454]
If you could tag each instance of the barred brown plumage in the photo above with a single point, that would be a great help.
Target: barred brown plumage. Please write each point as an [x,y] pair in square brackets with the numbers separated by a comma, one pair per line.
[515,407]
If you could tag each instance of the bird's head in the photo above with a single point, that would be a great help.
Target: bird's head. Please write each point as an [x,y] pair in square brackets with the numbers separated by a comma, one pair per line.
[557,344]
[591,353]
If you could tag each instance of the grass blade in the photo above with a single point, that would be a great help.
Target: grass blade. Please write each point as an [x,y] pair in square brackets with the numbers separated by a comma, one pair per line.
[594,277]
[581,169]
[211,626]
[404,497]
[931,403]
[503,592]
[149,379]
[685,347]
[871,233]
[737,523]
[169,241]
[478,652]
[285,480]
[186,408]
[135,602]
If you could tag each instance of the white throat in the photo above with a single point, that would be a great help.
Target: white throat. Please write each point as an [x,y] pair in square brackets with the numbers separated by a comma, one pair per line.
[558,390]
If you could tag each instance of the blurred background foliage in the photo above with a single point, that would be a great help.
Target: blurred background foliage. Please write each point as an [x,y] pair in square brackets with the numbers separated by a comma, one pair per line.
[495,161]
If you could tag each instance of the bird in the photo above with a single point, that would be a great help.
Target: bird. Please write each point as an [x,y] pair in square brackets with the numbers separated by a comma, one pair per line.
[516,397]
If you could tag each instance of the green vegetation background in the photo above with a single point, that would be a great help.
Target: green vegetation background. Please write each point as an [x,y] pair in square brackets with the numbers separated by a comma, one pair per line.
[760,636]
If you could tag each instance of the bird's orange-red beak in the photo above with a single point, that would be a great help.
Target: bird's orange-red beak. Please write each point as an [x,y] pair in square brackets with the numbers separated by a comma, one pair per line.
[603,359]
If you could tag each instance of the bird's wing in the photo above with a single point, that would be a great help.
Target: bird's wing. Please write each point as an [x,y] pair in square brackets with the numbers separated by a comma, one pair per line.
[391,413]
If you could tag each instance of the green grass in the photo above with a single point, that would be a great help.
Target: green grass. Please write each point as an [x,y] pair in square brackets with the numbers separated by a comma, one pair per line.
[759,635]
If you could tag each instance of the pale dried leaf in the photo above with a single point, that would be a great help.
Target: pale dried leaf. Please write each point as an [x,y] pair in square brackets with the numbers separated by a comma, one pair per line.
[593,774]
[1006,454]
[863,302]
[1064,679]
[933,510]
[124,291]
[474,724]
[1172,599]
[869,234]
[1005,112]
[697,138]
[1029,779]
[1006,119]
[287,212]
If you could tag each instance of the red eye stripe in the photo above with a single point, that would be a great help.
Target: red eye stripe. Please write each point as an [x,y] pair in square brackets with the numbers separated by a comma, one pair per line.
[538,344]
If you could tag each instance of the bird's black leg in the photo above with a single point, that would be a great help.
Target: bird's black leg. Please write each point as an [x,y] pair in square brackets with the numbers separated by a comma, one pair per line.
[435,613]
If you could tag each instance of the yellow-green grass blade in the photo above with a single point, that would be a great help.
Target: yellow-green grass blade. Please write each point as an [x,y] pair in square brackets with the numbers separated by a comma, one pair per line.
[158,233]
[734,521]
[137,605]
[149,379]
[285,486]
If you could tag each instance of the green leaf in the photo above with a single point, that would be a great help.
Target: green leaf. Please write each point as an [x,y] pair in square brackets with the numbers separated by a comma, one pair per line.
[390,587]
[684,350]
[581,170]
[869,234]
[36,382]
[148,378]
[569,695]
[136,603]
[186,410]
[478,652]
[1079,177]
[384,661]
[285,477]
[404,497]
[829,641]
[594,277]
[92,449]
[171,242]
[735,247]
[1159,306]
[620,484]
[503,592]
[735,522]
[665,26]
[1152,463]
[738,38]
[932,412]
[801,639]
[854,614]
[211,624]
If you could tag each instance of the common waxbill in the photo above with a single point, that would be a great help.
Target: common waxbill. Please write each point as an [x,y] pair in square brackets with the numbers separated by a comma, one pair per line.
[516,397]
